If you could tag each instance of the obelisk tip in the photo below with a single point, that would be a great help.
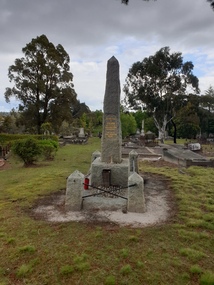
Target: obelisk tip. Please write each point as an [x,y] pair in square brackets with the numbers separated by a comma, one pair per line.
[113,58]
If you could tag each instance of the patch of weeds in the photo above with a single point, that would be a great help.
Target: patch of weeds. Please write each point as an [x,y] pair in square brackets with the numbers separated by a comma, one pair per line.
[11,240]
[80,263]
[80,258]
[66,270]
[24,270]
[178,226]
[207,278]
[149,253]
[192,254]
[209,208]
[126,269]
[27,248]
[110,280]
[192,235]
[83,266]
[209,217]
[196,269]
[2,234]
[185,276]
[2,272]
[194,223]
[176,262]
[99,254]
[140,264]
[124,252]
[133,238]
[98,233]
[207,225]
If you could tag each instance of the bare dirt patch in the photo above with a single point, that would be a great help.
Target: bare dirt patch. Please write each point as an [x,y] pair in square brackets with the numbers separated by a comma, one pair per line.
[4,164]
[160,204]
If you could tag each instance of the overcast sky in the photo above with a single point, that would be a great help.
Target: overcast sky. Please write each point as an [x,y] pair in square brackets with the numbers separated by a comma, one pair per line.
[91,31]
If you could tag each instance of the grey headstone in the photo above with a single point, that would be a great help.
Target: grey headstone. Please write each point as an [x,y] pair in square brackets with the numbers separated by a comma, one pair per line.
[111,134]
[81,133]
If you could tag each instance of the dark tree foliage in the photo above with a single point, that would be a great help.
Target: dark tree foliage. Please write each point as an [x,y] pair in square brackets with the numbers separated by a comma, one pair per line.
[211,3]
[160,83]
[42,83]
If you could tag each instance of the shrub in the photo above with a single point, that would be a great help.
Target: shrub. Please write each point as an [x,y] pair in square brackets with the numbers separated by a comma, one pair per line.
[49,148]
[27,150]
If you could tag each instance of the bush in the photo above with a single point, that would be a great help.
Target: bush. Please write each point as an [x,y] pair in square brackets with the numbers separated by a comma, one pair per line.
[27,150]
[49,148]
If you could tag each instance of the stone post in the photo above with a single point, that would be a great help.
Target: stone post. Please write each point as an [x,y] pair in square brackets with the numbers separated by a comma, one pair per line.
[95,155]
[73,197]
[111,134]
[133,161]
[136,200]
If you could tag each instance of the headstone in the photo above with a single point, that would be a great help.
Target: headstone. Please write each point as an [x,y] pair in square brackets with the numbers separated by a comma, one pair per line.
[111,134]
[194,146]
[81,133]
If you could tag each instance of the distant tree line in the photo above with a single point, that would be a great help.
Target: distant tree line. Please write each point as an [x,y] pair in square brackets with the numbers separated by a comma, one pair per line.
[157,90]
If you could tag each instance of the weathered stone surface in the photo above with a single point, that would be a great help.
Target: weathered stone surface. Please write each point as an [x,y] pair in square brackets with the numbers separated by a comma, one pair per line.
[95,155]
[136,200]
[111,133]
[185,157]
[81,133]
[74,188]
[119,172]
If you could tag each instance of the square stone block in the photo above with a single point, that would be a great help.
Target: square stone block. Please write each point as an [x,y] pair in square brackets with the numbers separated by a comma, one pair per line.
[119,172]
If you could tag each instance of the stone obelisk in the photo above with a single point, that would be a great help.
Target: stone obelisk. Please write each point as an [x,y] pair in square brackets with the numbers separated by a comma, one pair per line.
[111,133]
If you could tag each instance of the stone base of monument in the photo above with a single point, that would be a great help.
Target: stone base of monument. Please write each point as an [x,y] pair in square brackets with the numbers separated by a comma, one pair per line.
[106,174]
[112,189]
[97,203]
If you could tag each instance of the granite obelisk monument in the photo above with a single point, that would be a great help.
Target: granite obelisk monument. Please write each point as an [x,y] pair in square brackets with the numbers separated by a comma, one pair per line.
[110,163]
[111,133]
[109,173]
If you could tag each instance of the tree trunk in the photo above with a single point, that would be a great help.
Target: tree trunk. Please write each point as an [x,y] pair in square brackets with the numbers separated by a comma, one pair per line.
[175,131]
[161,129]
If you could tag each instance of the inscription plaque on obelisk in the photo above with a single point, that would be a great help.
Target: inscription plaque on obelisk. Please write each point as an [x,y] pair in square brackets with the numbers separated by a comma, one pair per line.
[111,133]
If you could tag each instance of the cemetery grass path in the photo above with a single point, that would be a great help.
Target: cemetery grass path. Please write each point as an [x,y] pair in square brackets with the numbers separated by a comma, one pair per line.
[36,252]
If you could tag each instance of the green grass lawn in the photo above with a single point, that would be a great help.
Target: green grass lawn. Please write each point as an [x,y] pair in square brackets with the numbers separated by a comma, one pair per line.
[36,252]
